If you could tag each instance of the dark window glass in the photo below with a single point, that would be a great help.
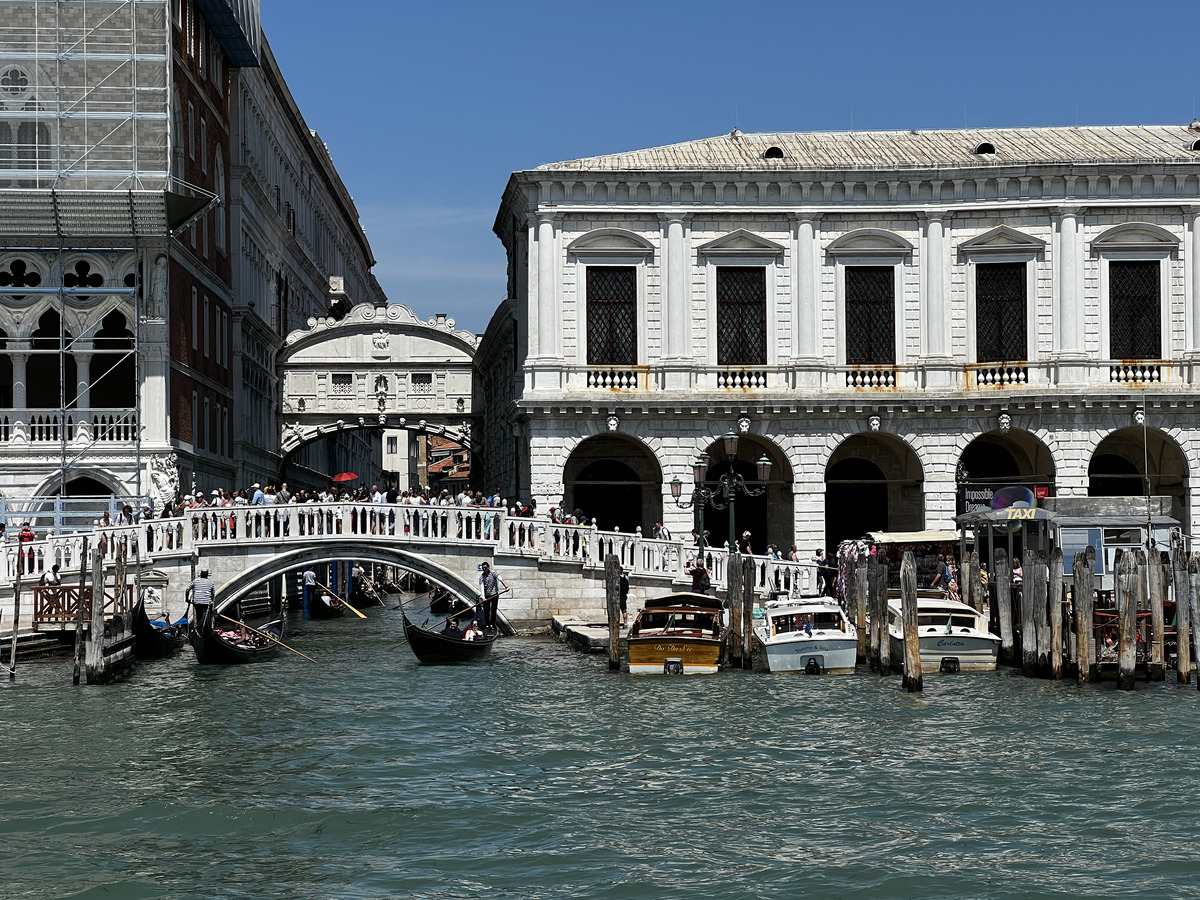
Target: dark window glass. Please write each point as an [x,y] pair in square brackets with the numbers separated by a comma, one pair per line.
[1134,327]
[870,315]
[1000,312]
[741,316]
[612,315]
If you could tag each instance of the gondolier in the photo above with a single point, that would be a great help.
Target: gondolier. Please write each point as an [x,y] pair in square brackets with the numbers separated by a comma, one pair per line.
[490,585]
[200,594]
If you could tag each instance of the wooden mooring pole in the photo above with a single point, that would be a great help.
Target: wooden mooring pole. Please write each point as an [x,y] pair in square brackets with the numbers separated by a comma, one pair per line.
[913,680]
[94,655]
[1002,576]
[748,613]
[1054,593]
[1041,609]
[612,596]
[885,642]
[1156,670]
[1193,595]
[83,567]
[733,594]
[860,621]
[1127,591]
[1183,614]
[1029,649]
[1083,570]
[12,649]
[873,597]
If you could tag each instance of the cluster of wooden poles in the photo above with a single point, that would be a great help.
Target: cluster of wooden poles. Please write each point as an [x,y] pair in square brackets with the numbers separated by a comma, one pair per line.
[1057,627]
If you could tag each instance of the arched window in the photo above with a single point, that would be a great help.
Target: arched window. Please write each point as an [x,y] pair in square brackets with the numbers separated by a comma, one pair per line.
[113,370]
[43,376]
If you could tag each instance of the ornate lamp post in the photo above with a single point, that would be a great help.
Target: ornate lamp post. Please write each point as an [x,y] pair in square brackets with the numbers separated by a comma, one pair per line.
[725,493]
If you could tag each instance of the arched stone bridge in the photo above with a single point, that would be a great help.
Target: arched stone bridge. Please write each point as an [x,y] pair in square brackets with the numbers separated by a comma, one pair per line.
[378,367]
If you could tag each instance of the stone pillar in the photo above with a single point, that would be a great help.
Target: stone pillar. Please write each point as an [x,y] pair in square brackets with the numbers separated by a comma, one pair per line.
[934,280]
[547,329]
[941,496]
[678,359]
[83,380]
[806,274]
[1193,344]
[19,363]
[1069,310]
[154,408]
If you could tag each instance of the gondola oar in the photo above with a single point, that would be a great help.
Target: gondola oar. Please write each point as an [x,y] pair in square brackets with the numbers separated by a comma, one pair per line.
[267,636]
[333,593]
[457,614]
[415,596]
[374,593]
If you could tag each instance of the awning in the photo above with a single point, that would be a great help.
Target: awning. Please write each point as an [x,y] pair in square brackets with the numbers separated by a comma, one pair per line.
[912,537]
[1113,521]
[1009,515]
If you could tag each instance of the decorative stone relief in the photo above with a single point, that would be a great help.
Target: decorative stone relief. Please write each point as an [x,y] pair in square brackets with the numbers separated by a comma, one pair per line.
[164,479]
[1139,416]
[1005,422]
[613,422]
[743,425]
[873,423]
[158,288]
[381,343]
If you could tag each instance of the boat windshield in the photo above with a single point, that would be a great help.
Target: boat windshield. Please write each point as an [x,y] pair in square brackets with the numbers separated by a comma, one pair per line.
[942,619]
[821,621]
[675,620]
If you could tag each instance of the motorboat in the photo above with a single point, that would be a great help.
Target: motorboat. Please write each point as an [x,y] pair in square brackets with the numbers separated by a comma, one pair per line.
[679,634]
[810,635]
[953,636]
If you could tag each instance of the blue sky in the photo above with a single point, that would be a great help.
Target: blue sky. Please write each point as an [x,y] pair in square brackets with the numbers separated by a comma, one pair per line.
[428,107]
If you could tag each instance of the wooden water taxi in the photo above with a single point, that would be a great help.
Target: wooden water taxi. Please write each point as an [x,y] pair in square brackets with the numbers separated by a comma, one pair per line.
[679,634]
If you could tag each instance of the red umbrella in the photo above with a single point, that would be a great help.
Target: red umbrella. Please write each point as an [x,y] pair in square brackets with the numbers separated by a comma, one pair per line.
[345,476]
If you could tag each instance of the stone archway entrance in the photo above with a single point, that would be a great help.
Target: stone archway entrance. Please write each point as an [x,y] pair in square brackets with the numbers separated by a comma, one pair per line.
[873,482]
[768,518]
[615,480]
[997,460]
[1134,461]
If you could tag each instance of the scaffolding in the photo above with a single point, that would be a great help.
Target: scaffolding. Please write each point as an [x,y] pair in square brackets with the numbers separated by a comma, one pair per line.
[85,126]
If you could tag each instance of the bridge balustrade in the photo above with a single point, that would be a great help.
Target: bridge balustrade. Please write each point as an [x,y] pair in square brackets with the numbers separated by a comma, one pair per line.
[31,559]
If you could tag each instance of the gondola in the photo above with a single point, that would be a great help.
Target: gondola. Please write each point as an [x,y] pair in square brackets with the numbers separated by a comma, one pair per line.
[324,606]
[225,646]
[156,640]
[444,603]
[432,648]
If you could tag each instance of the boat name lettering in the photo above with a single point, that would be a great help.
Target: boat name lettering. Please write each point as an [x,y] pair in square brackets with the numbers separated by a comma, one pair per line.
[950,643]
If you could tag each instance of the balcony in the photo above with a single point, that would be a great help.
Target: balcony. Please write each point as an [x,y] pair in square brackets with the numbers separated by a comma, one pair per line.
[47,427]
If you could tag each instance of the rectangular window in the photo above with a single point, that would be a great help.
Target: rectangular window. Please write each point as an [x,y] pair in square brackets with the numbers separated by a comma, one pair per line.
[393,445]
[218,336]
[203,145]
[206,329]
[1000,312]
[225,331]
[870,315]
[195,318]
[422,383]
[207,435]
[612,315]
[195,421]
[191,130]
[741,316]
[204,236]
[1134,320]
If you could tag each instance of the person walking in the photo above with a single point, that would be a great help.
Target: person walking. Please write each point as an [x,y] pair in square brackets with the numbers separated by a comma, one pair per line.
[490,585]
[200,594]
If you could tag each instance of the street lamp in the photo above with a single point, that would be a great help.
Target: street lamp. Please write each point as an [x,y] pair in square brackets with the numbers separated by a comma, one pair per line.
[725,493]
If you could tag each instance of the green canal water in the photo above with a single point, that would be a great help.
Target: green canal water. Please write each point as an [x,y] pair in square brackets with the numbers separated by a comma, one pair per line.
[538,774]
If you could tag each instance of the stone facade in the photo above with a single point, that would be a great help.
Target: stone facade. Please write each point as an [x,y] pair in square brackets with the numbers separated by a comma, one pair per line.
[1069,214]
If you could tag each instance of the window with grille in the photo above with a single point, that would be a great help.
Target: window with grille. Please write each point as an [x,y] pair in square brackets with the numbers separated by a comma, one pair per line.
[1134,326]
[741,316]
[422,383]
[342,384]
[870,315]
[611,315]
[1000,312]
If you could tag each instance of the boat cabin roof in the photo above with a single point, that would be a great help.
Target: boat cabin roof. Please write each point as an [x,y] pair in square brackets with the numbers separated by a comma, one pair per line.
[684,600]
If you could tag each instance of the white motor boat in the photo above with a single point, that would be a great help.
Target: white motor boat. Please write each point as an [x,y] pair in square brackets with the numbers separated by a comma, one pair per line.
[953,637]
[810,636]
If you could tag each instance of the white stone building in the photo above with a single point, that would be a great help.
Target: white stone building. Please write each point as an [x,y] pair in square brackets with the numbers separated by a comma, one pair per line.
[890,318]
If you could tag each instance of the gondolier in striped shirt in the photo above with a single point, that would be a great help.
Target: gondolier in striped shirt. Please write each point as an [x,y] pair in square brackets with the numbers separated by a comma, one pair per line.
[200,594]
[490,586]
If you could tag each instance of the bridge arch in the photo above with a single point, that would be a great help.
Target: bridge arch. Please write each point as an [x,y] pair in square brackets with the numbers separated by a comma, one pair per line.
[337,550]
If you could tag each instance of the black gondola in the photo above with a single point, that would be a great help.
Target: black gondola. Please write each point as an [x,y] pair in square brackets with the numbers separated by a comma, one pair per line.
[212,647]
[324,606]
[444,603]
[156,640]
[433,648]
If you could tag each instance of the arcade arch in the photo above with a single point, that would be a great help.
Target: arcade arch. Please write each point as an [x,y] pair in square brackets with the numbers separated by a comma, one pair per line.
[873,482]
[769,518]
[615,480]
[1131,461]
[996,460]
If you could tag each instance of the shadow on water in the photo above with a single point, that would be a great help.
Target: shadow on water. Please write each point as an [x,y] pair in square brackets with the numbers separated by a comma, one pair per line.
[536,773]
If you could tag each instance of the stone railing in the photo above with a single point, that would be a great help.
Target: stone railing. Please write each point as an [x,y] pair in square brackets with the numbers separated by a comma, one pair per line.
[484,529]
[52,426]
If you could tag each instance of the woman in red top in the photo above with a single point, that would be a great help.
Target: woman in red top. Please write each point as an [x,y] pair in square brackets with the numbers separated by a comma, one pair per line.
[26,536]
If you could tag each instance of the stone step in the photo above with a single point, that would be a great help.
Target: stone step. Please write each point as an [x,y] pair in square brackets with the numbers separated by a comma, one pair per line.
[35,644]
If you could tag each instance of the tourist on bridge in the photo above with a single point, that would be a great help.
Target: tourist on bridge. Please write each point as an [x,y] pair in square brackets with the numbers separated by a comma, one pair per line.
[490,586]
[200,594]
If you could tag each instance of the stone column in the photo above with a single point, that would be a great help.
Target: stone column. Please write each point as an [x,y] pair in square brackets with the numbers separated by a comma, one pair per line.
[154,408]
[678,359]
[1193,344]
[806,276]
[934,280]
[547,318]
[83,379]
[1069,330]
[19,363]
